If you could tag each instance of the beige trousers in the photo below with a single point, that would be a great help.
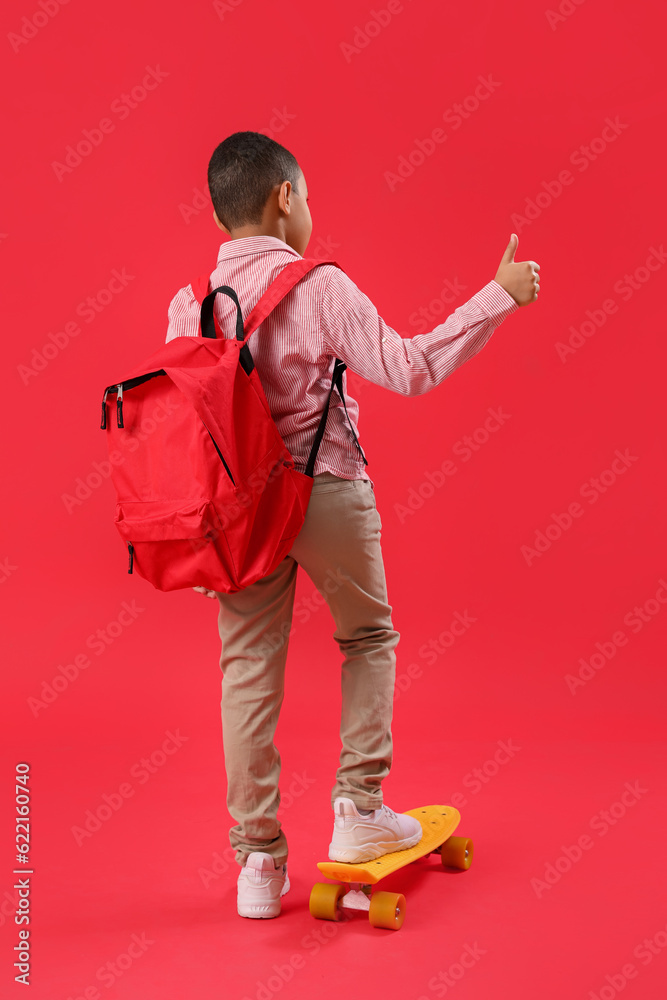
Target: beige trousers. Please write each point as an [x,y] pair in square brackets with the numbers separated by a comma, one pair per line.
[339,548]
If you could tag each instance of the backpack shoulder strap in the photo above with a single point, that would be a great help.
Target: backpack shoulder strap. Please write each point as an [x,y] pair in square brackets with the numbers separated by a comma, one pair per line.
[287,279]
[278,289]
[337,381]
[200,287]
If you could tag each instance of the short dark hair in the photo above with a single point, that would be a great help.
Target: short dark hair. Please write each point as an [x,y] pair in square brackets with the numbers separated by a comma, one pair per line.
[243,171]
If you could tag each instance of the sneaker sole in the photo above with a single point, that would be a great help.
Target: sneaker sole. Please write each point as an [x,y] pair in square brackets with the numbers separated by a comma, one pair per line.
[258,912]
[370,852]
[263,910]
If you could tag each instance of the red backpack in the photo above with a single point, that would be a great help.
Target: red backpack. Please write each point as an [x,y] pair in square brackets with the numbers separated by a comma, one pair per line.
[207,491]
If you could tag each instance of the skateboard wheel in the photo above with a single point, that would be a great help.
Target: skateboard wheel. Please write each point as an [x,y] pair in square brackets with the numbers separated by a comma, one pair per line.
[387,910]
[457,853]
[324,898]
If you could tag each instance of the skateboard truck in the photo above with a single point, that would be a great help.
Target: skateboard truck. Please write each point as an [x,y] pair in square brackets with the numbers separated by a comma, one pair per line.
[357,897]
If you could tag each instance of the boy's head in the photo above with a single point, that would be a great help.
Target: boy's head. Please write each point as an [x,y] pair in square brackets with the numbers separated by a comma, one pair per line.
[257,188]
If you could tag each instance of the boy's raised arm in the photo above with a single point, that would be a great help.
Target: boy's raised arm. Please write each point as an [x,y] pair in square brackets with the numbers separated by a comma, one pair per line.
[353,331]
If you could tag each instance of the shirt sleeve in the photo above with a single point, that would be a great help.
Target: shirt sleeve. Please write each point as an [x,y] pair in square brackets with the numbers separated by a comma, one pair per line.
[183,315]
[352,330]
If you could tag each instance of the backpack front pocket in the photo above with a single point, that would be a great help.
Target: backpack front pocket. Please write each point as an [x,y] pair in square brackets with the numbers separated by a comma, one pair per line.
[176,544]
[161,520]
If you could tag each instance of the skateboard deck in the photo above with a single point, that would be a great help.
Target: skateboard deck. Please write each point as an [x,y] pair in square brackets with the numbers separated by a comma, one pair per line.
[353,888]
[438,824]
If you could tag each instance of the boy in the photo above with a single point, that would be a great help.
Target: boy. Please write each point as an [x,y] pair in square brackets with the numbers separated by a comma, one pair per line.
[260,199]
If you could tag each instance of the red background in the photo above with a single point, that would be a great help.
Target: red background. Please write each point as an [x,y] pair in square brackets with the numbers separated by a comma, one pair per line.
[349,120]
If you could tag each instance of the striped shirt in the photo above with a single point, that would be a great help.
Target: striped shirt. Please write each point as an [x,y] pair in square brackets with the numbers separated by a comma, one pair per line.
[326,316]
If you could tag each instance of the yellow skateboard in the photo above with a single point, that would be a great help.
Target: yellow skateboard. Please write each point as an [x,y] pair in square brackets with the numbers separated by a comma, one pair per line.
[355,881]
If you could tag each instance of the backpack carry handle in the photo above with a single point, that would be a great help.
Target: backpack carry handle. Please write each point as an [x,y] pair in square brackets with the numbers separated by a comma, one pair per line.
[207,321]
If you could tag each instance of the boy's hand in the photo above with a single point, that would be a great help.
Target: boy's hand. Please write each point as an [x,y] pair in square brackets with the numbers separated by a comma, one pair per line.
[520,279]
[203,590]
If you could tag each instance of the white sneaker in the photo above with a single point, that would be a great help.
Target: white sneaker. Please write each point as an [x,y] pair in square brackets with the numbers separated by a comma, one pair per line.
[260,886]
[358,838]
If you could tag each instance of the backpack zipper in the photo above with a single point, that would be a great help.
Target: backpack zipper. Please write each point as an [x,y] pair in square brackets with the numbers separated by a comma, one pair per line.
[104,410]
[119,405]
[118,388]
[128,383]
[220,456]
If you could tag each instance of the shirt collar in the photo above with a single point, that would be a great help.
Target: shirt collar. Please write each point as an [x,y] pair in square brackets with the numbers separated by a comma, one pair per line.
[253,244]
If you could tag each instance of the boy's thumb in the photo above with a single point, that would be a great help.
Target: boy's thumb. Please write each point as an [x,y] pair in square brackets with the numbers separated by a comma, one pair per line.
[508,256]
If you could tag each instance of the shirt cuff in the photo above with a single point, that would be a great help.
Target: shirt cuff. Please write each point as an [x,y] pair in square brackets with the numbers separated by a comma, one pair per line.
[495,302]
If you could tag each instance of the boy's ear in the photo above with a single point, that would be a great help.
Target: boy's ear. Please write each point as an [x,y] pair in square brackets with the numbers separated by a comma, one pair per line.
[219,224]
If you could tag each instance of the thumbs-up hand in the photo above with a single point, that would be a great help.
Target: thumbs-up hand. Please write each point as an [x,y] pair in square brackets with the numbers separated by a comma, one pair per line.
[520,278]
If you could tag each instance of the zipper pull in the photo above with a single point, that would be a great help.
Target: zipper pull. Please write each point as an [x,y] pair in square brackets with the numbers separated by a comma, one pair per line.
[104,410]
[119,405]
[130,549]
